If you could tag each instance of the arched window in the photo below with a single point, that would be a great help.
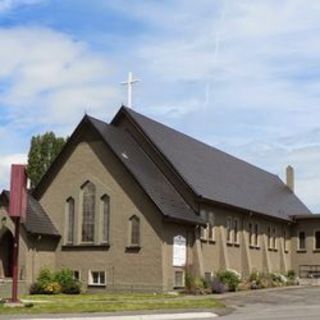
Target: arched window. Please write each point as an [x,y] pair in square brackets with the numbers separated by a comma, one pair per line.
[70,221]
[105,202]
[134,231]
[88,212]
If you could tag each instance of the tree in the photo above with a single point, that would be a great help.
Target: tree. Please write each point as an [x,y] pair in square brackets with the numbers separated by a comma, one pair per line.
[43,150]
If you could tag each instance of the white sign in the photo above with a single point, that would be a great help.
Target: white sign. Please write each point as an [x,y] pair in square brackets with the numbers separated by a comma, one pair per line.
[179,251]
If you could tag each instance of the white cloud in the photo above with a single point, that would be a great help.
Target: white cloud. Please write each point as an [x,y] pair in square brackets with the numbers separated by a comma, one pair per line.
[52,78]
[8,5]
[48,80]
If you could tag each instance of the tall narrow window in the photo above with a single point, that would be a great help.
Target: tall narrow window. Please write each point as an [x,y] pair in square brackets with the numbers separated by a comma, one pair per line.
[178,279]
[256,235]
[301,240]
[285,240]
[88,213]
[105,218]
[203,229]
[135,231]
[235,231]
[211,226]
[274,238]
[70,221]
[269,237]
[229,230]
[250,234]
[317,240]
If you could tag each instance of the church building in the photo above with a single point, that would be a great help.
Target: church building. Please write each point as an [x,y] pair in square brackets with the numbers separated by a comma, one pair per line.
[134,205]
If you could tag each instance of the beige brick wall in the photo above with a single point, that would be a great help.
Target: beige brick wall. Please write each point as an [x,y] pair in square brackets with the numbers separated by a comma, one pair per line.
[310,256]
[92,160]
[242,257]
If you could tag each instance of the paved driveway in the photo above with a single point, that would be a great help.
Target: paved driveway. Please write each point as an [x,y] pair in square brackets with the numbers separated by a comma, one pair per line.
[284,304]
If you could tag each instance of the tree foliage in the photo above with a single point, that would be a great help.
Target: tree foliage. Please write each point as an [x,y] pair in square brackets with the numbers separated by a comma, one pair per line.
[43,150]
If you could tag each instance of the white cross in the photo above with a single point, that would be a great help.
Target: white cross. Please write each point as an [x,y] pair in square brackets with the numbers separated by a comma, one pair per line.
[129,83]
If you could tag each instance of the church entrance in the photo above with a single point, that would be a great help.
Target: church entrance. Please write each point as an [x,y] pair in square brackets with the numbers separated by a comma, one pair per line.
[6,249]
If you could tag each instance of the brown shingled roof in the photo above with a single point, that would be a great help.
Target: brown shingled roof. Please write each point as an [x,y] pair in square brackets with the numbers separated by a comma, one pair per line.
[148,175]
[37,220]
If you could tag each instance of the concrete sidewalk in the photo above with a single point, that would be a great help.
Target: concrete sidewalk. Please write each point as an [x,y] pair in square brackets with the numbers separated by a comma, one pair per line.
[194,315]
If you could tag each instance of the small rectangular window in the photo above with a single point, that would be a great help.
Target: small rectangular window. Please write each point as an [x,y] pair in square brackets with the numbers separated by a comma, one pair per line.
[179,279]
[317,240]
[97,278]
[76,275]
[208,278]
[301,240]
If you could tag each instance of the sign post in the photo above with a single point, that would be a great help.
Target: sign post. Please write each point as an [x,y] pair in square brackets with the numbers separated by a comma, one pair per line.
[17,211]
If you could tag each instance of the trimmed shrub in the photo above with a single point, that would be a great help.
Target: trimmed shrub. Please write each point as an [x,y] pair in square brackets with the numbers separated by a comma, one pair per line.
[43,283]
[193,284]
[189,281]
[72,288]
[35,288]
[278,279]
[55,282]
[68,284]
[230,278]
[52,288]
[291,275]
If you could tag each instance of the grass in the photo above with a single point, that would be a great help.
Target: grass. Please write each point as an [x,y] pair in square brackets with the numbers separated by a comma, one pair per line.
[109,303]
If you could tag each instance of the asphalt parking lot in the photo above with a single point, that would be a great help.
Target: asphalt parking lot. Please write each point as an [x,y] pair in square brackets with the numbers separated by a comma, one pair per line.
[286,304]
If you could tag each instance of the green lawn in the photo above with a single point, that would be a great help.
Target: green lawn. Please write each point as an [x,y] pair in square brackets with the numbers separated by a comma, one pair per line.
[109,302]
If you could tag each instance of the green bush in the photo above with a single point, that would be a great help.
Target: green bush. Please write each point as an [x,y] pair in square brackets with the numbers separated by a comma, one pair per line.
[189,281]
[55,282]
[72,288]
[278,279]
[68,284]
[195,285]
[254,276]
[229,278]
[43,283]
[291,275]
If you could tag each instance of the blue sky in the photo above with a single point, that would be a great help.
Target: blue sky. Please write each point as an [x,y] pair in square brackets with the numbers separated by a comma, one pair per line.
[243,76]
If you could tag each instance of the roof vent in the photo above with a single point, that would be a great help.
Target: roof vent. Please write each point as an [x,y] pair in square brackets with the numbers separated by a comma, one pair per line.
[290,177]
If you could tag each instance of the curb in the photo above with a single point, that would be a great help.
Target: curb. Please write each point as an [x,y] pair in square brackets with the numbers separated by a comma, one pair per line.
[248,292]
[201,315]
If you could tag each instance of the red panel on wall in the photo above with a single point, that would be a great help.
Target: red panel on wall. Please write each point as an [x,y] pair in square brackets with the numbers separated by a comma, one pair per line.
[18,191]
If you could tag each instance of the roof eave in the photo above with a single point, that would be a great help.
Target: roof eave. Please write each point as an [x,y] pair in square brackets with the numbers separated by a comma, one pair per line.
[243,210]
[305,216]
[185,221]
